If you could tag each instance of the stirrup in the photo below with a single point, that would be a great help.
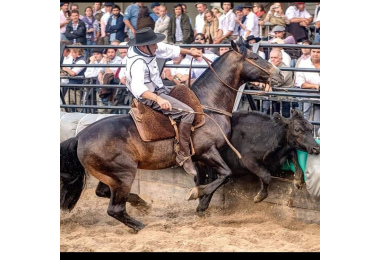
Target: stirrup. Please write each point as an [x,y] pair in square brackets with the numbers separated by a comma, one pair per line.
[182,160]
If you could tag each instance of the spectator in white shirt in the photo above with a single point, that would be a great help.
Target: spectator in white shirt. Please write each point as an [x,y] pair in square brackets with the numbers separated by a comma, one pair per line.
[109,57]
[104,37]
[299,19]
[251,23]
[310,80]
[226,23]
[199,19]
[96,58]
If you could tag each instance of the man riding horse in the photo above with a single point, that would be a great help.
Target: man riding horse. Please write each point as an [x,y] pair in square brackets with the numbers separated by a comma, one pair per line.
[144,81]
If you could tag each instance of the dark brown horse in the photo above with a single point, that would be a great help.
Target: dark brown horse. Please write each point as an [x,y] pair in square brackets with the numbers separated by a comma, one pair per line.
[111,149]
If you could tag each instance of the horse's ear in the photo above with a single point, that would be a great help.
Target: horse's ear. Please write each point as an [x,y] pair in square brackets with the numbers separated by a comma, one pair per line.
[296,112]
[280,119]
[235,47]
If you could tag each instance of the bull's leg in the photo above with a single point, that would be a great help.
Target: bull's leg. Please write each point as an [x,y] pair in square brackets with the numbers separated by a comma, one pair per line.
[298,173]
[264,176]
[205,192]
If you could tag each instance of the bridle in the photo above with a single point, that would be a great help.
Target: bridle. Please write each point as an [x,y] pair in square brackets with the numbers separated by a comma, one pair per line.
[236,90]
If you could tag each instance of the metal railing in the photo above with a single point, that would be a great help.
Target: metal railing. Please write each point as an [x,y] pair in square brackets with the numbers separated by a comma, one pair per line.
[280,95]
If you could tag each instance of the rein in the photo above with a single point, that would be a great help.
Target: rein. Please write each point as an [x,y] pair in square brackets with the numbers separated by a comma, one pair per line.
[221,130]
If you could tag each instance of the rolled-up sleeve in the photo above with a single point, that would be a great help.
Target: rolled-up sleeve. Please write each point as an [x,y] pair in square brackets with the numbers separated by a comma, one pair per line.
[137,78]
[166,51]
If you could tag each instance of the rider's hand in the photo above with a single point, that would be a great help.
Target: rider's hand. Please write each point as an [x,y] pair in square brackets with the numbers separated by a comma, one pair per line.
[196,53]
[164,104]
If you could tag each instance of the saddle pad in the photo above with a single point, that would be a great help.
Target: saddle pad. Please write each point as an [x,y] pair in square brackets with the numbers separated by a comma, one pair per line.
[153,125]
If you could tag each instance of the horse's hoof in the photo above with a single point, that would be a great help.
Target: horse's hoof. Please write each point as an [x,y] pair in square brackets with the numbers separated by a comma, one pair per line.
[136,229]
[192,194]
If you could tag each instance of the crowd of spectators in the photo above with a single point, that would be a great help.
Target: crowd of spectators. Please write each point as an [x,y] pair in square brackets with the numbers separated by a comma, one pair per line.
[105,24]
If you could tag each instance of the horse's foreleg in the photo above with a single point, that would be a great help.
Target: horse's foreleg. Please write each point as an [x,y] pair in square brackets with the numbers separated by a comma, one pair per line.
[212,159]
[298,173]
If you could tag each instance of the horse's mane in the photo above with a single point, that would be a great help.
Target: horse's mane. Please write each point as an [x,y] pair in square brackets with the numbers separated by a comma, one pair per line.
[243,46]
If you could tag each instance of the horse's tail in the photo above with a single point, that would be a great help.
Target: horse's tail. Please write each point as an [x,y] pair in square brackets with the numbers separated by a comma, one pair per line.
[73,175]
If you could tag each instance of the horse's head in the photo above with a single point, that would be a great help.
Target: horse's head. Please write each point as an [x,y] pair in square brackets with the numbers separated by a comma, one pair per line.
[299,131]
[255,68]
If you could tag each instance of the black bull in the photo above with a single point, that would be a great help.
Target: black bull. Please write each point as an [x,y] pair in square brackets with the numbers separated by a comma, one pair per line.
[265,144]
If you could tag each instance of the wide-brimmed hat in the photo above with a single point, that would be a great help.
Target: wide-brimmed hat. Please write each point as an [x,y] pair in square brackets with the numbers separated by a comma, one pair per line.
[251,37]
[146,36]
[247,5]
[232,5]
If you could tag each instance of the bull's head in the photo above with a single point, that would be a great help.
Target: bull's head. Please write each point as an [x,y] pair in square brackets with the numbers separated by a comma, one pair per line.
[299,131]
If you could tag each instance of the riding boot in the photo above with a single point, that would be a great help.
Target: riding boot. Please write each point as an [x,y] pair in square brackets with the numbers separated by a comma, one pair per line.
[183,156]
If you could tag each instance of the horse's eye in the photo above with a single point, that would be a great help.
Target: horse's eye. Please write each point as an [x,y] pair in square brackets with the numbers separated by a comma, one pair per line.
[297,130]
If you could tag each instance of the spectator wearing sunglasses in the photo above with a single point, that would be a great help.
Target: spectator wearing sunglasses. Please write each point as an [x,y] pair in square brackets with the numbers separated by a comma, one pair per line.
[200,37]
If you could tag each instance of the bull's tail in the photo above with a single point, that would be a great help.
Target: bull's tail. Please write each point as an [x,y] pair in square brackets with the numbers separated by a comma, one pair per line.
[73,175]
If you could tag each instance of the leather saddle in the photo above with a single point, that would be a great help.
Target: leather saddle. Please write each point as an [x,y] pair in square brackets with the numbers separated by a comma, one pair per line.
[153,125]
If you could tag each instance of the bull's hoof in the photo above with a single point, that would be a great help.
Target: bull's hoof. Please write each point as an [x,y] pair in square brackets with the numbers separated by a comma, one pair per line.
[192,194]
[298,185]
[260,197]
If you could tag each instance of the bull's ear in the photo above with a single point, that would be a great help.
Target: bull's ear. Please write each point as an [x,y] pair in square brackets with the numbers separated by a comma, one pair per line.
[280,119]
[235,47]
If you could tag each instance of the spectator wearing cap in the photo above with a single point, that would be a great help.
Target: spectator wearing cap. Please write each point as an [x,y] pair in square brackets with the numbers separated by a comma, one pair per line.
[180,30]
[279,32]
[299,19]
[155,7]
[239,19]
[226,23]
[251,24]
[115,25]
[251,40]
[162,23]
[65,19]
[104,37]
[130,18]
[200,18]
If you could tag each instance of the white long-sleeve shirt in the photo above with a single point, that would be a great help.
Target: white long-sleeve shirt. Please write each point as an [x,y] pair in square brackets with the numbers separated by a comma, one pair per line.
[142,72]
[92,72]
[227,22]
